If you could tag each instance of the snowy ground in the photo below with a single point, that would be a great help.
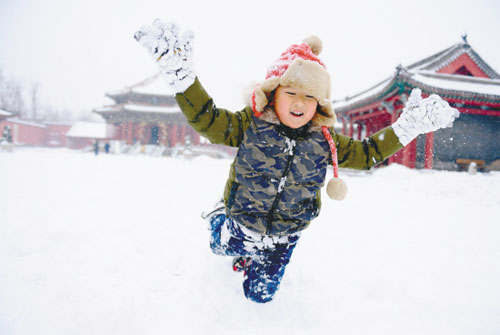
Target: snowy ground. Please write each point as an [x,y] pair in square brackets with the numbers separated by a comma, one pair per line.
[116,245]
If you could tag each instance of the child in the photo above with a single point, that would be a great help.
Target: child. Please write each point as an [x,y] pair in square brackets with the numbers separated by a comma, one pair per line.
[286,140]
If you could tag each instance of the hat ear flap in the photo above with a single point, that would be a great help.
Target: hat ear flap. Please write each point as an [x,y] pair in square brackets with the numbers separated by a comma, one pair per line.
[326,117]
[260,94]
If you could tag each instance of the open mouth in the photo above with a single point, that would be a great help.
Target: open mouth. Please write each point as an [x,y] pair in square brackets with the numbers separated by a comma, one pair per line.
[296,113]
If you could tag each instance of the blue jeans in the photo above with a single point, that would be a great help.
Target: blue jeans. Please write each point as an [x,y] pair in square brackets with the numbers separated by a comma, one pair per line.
[270,254]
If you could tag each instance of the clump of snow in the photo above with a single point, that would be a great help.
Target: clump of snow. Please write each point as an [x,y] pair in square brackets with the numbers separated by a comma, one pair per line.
[172,52]
[421,116]
[114,244]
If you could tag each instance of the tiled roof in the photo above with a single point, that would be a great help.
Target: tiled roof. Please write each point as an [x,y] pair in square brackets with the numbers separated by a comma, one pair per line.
[423,74]
[153,85]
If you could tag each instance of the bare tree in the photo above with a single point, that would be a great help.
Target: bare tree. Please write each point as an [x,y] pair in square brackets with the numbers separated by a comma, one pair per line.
[2,90]
[35,101]
[11,95]
[24,100]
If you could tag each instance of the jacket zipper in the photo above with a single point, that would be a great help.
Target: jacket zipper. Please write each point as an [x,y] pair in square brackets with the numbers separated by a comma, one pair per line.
[291,154]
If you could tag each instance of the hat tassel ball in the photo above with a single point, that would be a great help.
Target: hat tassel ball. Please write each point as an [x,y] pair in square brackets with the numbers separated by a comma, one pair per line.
[336,187]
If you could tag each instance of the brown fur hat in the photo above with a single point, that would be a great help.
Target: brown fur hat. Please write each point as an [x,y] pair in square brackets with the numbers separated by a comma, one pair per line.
[299,67]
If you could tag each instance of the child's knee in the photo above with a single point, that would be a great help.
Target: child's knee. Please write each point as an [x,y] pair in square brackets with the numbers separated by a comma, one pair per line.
[260,292]
[260,286]
[216,223]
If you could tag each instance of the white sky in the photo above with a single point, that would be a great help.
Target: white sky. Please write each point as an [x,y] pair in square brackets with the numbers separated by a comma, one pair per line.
[78,50]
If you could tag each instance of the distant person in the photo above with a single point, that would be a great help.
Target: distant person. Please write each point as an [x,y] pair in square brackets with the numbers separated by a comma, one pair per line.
[7,134]
[96,148]
[286,141]
[106,147]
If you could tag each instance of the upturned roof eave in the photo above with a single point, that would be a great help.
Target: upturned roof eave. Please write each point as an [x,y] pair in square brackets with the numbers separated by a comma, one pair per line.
[118,94]
[400,81]
[483,65]
[138,89]
[432,63]
[451,93]
[436,58]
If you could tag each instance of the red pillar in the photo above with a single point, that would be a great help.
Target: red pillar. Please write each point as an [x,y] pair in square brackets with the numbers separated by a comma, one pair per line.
[410,154]
[394,117]
[413,154]
[183,135]
[118,134]
[406,157]
[129,132]
[173,135]
[195,137]
[429,150]
[351,129]
[360,128]
[344,126]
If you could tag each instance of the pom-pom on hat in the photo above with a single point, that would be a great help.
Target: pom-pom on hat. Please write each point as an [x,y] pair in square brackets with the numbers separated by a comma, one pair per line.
[300,67]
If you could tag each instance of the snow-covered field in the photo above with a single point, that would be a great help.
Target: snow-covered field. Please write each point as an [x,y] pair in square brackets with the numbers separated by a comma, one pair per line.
[116,245]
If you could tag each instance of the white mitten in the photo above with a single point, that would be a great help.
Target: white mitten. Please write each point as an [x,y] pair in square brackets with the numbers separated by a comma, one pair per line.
[172,53]
[421,116]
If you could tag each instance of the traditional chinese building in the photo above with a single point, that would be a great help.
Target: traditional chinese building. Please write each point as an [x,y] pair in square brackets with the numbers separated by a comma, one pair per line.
[146,113]
[460,76]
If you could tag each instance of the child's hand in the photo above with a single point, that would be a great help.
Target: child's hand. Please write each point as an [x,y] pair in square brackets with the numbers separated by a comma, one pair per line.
[172,53]
[421,116]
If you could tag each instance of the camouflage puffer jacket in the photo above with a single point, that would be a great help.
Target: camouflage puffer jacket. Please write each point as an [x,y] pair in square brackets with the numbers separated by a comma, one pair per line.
[274,185]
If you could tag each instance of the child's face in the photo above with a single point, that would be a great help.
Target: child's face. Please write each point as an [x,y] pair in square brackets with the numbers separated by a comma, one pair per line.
[295,108]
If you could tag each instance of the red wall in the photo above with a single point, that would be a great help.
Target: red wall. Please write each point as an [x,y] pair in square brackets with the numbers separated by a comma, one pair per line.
[26,134]
[56,135]
[464,60]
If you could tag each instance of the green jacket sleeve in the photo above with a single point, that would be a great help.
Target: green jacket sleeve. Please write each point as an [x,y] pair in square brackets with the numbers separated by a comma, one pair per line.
[363,155]
[218,125]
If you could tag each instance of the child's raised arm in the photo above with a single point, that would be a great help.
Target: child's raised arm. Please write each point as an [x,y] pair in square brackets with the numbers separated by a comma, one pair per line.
[219,125]
[173,54]
[364,154]
[419,116]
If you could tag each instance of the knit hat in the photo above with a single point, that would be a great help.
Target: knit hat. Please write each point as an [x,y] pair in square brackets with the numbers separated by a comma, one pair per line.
[300,67]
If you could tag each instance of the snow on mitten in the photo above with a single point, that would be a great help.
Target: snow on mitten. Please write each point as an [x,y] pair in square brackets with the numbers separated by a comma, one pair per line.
[172,53]
[421,116]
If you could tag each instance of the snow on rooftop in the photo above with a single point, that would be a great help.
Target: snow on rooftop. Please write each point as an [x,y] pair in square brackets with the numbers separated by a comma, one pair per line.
[57,123]
[107,109]
[154,85]
[151,109]
[459,83]
[139,108]
[5,113]
[439,59]
[423,73]
[363,95]
[26,123]
[447,82]
[89,130]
